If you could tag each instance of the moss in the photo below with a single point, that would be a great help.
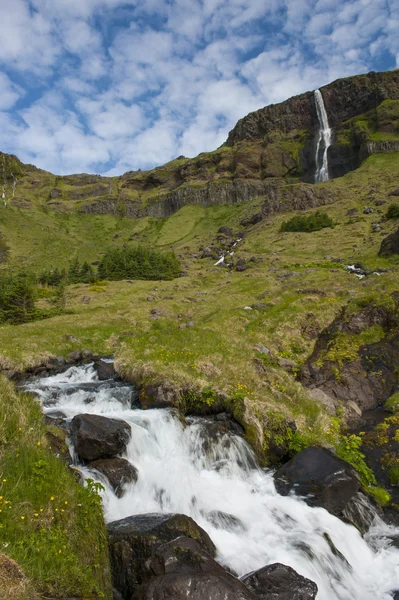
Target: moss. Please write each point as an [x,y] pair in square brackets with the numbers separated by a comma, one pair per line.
[344,347]
[392,404]
[393,474]
[380,494]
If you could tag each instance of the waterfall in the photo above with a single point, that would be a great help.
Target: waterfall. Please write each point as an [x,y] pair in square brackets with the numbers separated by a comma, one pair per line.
[214,478]
[323,140]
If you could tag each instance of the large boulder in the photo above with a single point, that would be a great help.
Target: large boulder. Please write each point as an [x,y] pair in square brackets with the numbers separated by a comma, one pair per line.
[324,479]
[183,570]
[118,471]
[279,582]
[390,245]
[95,437]
[134,540]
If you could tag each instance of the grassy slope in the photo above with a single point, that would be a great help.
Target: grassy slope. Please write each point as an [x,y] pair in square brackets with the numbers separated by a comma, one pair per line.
[218,349]
[49,524]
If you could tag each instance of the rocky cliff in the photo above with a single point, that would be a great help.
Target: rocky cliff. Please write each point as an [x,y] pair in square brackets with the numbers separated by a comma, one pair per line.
[267,153]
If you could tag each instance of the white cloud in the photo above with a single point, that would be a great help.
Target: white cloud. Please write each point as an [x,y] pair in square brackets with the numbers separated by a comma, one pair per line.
[133,83]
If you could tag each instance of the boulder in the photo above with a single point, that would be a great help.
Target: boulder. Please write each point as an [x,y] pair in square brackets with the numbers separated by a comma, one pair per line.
[105,369]
[118,471]
[95,437]
[390,245]
[183,570]
[134,540]
[324,479]
[158,396]
[279,582]
[226,231]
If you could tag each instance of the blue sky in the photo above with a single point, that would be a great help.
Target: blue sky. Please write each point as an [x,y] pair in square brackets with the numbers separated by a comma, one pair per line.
[109,86]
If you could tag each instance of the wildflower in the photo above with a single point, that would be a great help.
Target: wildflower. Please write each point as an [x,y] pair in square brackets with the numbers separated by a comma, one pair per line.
[36,514]
[22,518]
[38,443]
[52,498]
[4,480]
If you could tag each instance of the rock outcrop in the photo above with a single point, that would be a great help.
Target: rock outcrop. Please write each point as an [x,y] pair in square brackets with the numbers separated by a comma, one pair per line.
[321,477]
[279,582]
[390,245]
[95,437]
[118,471]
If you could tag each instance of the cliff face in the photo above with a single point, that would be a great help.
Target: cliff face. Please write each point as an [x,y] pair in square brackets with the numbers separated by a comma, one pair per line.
[267,150]
[343,99]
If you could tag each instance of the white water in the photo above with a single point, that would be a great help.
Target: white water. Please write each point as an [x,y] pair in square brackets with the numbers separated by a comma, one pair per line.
[181,471]
[323,140]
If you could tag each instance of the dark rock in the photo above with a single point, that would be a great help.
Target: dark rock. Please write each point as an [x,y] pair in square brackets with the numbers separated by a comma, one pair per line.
[390,245]
[55,193]
[359,512]
[352,212]
[133,542]
[94,436]
[368,210]
[241,266]
[279,582]
[57,361]
[75,356]
[158,396]
[86,354]
[252,220]
[118,471]
[323,478]
[183,570]
[226,231]
[394,193]
[105,370]
[116,595]
[86,299]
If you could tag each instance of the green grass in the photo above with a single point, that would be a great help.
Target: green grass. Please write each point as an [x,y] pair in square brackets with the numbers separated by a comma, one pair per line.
[49,524]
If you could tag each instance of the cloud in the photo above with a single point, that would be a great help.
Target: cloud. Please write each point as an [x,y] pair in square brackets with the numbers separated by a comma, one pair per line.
[114,85]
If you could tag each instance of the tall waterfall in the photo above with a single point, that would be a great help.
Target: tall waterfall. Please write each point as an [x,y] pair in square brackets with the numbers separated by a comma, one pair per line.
[216,480]
[323,140]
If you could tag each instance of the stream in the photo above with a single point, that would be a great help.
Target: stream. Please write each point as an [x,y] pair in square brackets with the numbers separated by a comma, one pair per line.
[216,480]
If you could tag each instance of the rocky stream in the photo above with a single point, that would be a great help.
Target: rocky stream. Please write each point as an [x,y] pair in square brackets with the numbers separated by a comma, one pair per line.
[191,514]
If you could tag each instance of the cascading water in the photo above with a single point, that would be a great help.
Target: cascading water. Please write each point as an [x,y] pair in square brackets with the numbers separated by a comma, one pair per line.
[323,140]
[226,492]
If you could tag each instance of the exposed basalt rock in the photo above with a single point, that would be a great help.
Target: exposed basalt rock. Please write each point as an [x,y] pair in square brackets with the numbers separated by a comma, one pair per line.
[361,376]
[321,477]
[279,582]
[118,471]
[390,245]
[134,540]
[105,369]
[343,99]
[95,437]
[183,570]
[158,396]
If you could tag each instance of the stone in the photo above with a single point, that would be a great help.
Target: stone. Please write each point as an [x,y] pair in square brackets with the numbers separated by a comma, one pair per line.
[241,266]
[286,363]
[390,245]
[262,349]
[226,231]
[225,521]
[118,471]
[86,299]
[71,338]
[183,570]
[105,369]
[252,220]
[158,396]
[394,192]
[321,477]
[95,437]
[330,404]
[133,542]
[368,210]
[279,582]
[75,356]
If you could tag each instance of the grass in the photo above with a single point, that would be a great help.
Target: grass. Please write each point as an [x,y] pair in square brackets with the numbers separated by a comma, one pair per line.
[49,524]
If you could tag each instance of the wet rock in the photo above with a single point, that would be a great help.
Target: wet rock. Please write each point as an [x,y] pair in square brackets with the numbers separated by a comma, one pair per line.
[133,543]
[323,478]
[222,520]
[279,582]
[57,361]
[184,570]
[390,245]
[118,471]
[359,512]
[95,437]
[105,370]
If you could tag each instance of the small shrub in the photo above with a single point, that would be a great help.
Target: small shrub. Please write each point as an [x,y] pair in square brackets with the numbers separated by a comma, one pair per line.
[348,449]
[309,223]
[393,211]
[392,404]
[138,263]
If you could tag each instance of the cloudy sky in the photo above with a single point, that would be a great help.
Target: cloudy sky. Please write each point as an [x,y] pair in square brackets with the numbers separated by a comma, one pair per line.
[108,86]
